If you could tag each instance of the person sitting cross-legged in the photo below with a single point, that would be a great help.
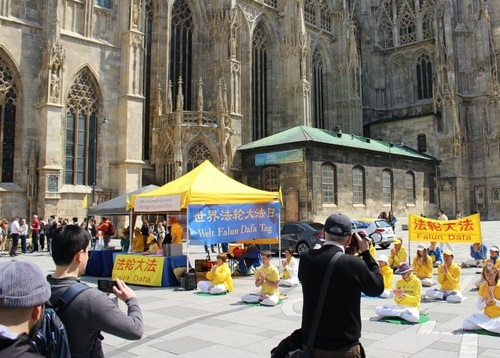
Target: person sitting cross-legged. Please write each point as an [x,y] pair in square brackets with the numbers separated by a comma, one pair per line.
[478,253]
[398,254]
[449,279]
[493,259]
[290,269]
[267,277]
[219,278]
[407,295]
[434,252]
[488,301]
[422,264]
[387,274]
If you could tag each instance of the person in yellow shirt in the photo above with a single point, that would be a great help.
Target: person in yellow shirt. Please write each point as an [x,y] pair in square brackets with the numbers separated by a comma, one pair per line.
[422,266]
[493,259]
[407,295]
[153,246]
[398,254]
[176,231]
[487,301]
[138,241]
[387,274]
[267,277]
[219,278]
[449,279]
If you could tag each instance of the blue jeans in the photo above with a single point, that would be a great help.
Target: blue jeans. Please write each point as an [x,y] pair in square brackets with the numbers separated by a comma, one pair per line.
[23,243]
[245,264]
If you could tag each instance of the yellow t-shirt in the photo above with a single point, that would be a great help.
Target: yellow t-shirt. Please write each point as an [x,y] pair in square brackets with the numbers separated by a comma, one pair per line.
[451,280]
[424,270]
[272,274]
[177,233]
[412,290]
[222,274]
[153,247]
[491,310]
[388,275]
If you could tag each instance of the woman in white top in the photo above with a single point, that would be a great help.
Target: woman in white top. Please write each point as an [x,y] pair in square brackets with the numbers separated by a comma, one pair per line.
[290,269]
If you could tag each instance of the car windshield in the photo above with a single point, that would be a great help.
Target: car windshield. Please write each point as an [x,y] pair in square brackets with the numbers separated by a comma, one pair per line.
[382,223]
[361,224]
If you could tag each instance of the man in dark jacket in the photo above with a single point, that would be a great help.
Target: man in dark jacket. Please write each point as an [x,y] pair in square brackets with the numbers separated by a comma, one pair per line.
[339,328]
[23,293]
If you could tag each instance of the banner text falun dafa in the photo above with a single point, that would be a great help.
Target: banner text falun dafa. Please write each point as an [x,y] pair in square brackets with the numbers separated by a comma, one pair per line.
[466,230]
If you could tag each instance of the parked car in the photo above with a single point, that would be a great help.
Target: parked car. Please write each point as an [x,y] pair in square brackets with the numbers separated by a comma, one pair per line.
[299,235]
[378,229]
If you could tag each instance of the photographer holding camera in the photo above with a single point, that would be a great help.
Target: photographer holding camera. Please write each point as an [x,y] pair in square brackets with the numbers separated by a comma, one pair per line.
[339,327]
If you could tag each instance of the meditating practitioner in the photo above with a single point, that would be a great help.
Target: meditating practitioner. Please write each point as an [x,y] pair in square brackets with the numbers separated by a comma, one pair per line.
[449,279]
[488,301]
[267,277]
[422,265]
[387,274]
[290,269]
[398,254]
[219,278]
[435,252]
[407,295]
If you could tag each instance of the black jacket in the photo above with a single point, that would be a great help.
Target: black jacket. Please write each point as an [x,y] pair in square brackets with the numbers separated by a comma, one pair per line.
[20,347]
[340,324]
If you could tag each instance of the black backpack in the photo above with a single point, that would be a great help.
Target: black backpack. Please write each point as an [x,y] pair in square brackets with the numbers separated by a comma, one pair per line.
[51,339]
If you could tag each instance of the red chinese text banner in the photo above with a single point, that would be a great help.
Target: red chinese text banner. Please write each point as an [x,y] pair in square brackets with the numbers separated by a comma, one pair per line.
[466,230]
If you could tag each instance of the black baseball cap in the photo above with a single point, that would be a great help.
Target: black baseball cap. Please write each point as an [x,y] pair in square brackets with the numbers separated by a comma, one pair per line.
[338,224]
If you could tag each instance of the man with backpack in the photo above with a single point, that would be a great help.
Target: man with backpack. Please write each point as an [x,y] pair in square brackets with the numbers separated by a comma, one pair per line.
[91,311]
[108,230]
[23,293]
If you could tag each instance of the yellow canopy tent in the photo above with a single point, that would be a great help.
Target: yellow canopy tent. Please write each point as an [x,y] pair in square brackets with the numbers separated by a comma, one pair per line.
[203,185]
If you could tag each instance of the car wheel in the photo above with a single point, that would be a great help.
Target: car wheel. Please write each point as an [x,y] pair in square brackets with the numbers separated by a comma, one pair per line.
[302,247]
[385,246]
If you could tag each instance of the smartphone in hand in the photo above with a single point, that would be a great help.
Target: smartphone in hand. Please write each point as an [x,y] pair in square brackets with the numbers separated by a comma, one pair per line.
[106,285]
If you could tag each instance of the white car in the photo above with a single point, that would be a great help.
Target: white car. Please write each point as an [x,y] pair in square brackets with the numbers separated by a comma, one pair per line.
[378,229]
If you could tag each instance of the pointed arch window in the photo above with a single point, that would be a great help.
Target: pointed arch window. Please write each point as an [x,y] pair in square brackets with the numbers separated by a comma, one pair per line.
[197,154]
[147,79]
[310,12]
[407,30]
[424,77]
[260,75]
[168,173]
[358,185]
[8,110]
[271,179]
[81,131]
[326,16]
[318,90]
[329,184]
[387,186]
[181,51]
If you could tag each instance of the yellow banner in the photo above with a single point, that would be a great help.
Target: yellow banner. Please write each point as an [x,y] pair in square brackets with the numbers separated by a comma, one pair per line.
[139,269]
[466,230]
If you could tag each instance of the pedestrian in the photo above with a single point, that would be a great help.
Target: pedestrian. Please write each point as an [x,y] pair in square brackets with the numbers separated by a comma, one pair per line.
[92,311]
[15,231]
[339,328]
[442,217]
[35,233]
[23,293]
[23,236]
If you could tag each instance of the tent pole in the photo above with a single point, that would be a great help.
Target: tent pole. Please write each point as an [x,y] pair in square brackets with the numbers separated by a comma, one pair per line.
[187,239]
[131,230]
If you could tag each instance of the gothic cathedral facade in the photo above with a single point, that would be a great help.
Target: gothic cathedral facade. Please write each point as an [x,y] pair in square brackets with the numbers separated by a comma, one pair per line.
[99,96]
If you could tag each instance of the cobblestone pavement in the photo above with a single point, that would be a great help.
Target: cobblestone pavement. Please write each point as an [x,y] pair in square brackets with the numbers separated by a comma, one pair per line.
[184,324]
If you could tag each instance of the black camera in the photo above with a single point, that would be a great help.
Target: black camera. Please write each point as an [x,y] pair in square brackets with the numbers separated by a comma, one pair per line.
[354,245]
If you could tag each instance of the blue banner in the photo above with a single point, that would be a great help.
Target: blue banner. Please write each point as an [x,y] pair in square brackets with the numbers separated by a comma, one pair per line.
[213,224]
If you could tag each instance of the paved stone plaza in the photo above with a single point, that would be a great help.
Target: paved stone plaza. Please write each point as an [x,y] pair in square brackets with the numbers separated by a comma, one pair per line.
[185,324]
